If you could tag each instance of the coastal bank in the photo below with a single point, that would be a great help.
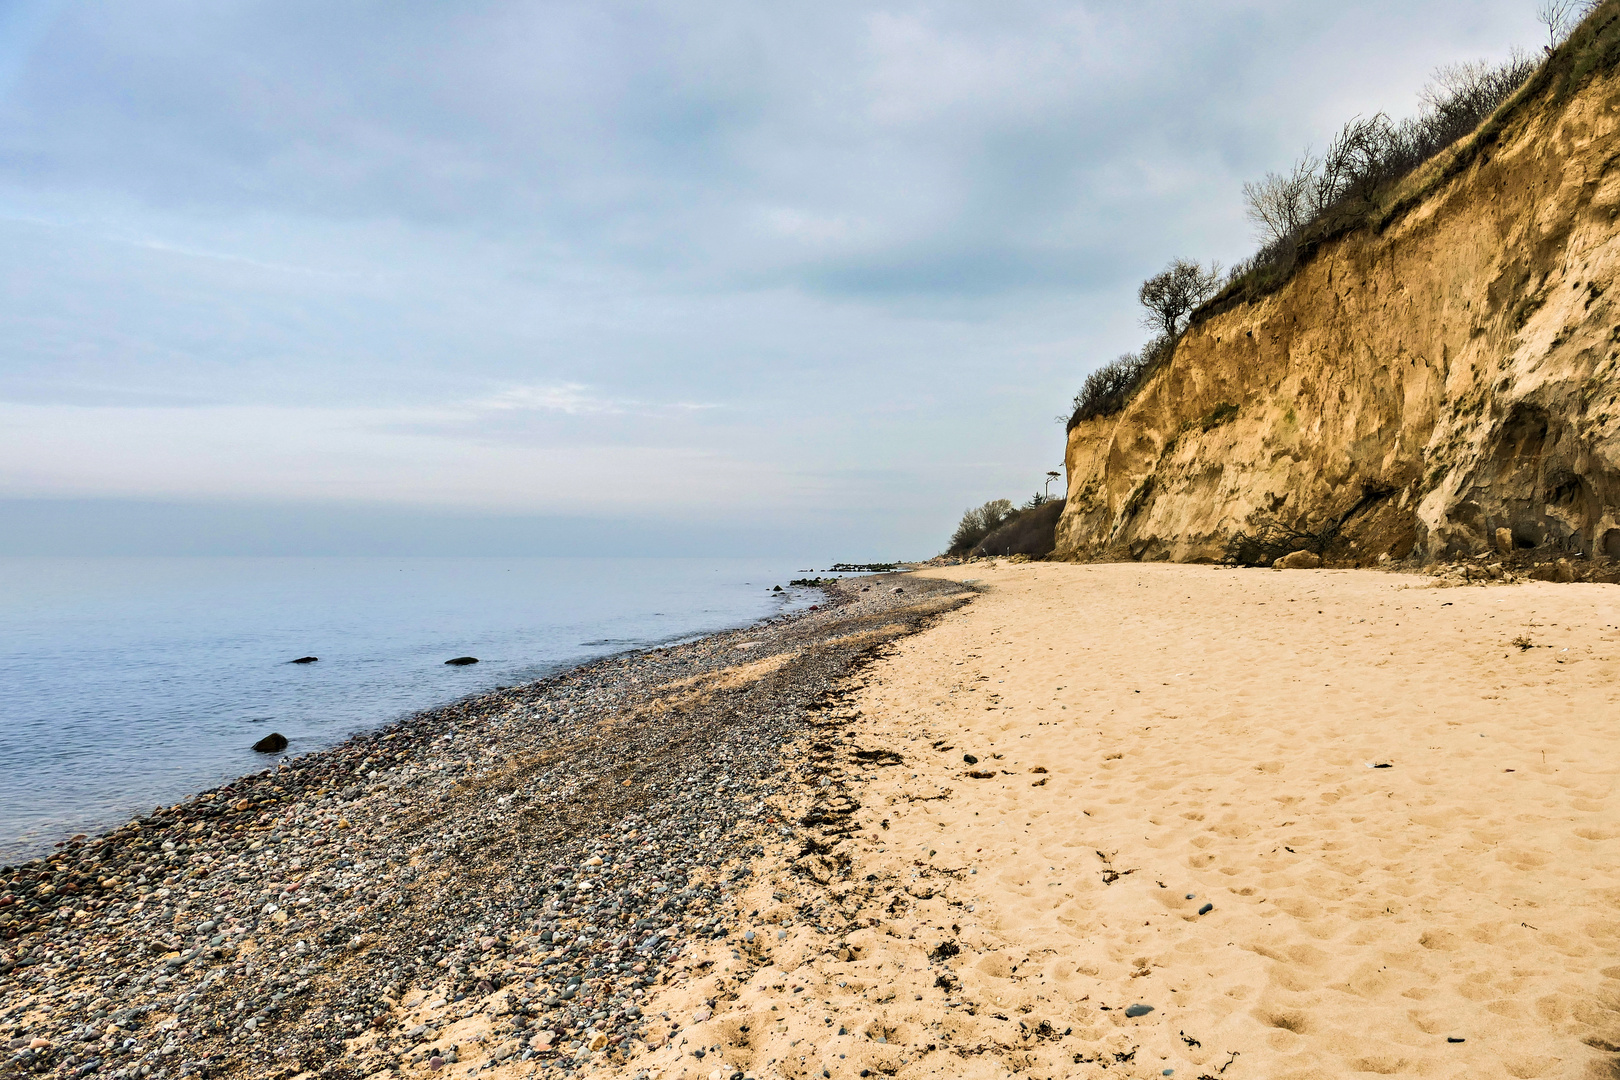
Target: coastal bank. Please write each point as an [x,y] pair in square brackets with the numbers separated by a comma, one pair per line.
[1437,376]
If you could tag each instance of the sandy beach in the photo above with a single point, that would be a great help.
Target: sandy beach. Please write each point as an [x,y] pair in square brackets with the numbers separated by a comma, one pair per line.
[1098,820]
[1320,823]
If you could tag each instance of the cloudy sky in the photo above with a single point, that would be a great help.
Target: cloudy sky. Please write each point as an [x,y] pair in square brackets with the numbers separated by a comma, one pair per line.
[801,278]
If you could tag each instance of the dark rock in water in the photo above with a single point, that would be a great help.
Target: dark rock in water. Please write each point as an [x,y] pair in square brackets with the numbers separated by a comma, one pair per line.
[304,660]
[272,743]
[462,661]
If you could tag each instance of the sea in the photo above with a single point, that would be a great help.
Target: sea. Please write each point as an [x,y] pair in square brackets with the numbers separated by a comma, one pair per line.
[129,683]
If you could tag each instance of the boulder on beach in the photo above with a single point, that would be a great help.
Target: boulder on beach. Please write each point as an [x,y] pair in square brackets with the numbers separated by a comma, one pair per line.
[462,661]
[305,660]
[273,743]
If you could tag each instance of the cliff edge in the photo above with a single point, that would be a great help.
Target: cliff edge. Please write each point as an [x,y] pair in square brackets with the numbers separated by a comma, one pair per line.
[1416,385]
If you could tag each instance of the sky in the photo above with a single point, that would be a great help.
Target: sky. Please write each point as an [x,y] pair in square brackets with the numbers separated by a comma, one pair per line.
[298,277]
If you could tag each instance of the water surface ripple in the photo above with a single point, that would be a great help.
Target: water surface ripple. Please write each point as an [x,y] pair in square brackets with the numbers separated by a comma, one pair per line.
[128,682]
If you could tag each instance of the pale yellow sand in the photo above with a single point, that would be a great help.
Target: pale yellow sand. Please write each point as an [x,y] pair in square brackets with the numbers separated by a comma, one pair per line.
[1207,732]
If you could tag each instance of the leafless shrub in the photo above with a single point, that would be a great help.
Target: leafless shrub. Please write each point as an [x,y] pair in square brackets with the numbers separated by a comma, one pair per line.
[1107,389]
[1466,93]
[1032,531]
[1359,159]
[1283,203]
[1272,538]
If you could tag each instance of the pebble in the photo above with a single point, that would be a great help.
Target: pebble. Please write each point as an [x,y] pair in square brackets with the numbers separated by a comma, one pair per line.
[430,857]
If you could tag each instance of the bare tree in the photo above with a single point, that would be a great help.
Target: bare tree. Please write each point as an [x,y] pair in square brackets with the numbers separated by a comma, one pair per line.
[1562,16]
[1171,295]
[1357,161]
[1281,204]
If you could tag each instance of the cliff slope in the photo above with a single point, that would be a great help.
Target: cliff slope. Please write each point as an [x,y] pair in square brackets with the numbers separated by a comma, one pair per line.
[1422,384]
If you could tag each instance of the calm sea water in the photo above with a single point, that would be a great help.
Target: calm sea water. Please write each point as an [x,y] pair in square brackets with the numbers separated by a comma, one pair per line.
[129,682]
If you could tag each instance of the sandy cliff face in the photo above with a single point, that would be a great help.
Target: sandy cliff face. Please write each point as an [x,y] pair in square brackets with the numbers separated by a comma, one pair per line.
[1428,384]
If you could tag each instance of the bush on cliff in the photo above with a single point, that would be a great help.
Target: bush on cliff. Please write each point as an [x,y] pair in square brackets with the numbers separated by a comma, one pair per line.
[1107,389]
[1357,182]
[978,523]
[1171,295]
[1032,532]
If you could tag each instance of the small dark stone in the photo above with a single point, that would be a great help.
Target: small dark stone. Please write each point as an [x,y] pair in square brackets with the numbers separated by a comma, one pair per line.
[970,759]
[1206,909]
[304,660]
[462,661]
[1138,1010]
[273,743]
[1454,1039]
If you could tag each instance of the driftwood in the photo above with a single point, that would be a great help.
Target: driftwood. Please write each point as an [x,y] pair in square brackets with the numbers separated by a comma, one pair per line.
[1272,538]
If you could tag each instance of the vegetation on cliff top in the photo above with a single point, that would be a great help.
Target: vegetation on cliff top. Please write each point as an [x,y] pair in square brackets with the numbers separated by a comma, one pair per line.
[1168,299]
[1372,171]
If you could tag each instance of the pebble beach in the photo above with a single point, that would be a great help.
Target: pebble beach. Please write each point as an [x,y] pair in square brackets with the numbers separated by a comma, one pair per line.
[497,882]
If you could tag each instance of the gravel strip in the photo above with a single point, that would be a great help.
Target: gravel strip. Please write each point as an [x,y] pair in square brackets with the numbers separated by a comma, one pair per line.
[499,879]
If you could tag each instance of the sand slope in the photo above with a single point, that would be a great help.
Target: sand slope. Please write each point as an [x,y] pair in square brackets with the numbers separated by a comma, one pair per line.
[1205,732]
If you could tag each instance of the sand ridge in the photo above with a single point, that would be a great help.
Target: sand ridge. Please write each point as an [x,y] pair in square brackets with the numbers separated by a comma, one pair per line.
[1406,826]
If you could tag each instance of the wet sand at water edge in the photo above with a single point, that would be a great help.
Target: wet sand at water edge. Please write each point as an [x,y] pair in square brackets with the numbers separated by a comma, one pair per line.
[1323,823]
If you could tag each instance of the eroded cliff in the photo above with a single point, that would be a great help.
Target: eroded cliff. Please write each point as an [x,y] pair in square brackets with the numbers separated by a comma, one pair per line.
[1418,385]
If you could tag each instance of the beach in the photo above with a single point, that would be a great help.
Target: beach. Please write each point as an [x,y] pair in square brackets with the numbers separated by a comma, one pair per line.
[1320,823]
[1048,819]
[502,878]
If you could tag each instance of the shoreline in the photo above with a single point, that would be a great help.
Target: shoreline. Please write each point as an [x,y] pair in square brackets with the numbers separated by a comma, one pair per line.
[322,894]
[1105,819]
[189,658]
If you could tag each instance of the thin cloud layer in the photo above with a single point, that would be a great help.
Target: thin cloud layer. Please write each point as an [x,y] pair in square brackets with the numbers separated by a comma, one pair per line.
[831,257]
